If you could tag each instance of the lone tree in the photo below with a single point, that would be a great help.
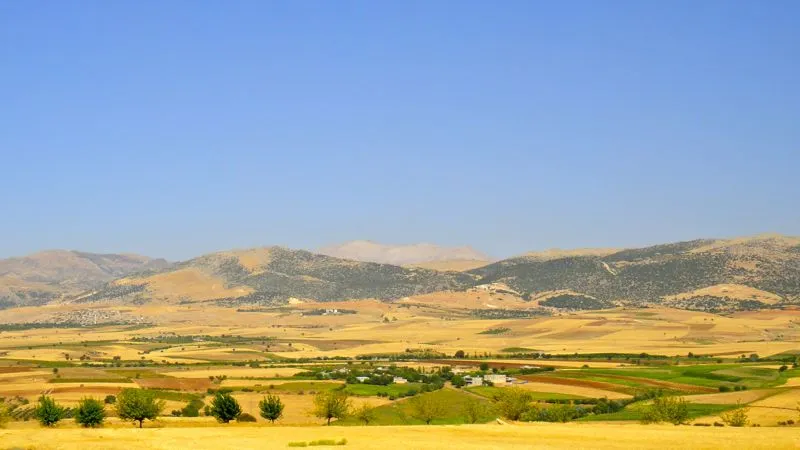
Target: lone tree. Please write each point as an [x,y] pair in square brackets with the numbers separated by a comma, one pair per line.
[674,410]
[331,405]
[475,410]
[90,413]
[426,408]
[736,417]
[224,407]
[271,408]
[514,403]
[48,413]
[138,405]
[365,414]
[459,354]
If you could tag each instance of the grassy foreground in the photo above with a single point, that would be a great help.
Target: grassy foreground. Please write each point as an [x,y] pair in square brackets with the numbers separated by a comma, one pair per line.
[540,435]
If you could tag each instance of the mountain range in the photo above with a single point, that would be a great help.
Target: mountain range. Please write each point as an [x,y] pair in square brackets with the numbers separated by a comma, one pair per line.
[704,274]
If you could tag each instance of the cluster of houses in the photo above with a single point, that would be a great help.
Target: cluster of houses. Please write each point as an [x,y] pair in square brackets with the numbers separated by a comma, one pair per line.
[395,380]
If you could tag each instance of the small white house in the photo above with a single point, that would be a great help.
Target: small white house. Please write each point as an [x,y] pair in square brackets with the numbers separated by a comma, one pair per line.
[399,380]
[497,378]
[362,379]
[473,381]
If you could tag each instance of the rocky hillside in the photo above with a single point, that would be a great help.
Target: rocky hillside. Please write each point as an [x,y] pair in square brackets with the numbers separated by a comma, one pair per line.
[747,273]
[44,276]
[276,274]
[400,255]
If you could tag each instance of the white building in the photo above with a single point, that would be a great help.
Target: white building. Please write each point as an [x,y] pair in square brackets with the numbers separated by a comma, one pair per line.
[399,380]
[473,381]
[362,379]
[497,379]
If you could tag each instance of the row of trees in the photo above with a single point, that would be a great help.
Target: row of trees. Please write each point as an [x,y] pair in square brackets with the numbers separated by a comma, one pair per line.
[138,405]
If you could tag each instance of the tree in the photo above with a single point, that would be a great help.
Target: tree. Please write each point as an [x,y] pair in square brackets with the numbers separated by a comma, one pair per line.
[475,410]
[271,408]
[5,415]
[48,413]
[90,413]
[138,405]
[674,410]
[514,402]
[736,417]
[365,414]
[224,407]
[459,354]
[484,366]
[426,408]
[331,405]
[110,400]
[458,381]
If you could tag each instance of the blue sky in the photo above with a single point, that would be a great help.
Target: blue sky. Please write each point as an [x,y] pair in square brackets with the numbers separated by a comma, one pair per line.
[177,128]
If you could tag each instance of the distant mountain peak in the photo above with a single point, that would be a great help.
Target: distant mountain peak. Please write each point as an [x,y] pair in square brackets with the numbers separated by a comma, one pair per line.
[371,251]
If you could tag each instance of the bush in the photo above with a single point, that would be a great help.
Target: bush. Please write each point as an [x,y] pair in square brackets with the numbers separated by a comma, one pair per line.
[192,409]
[245,417]
[48,413]
[90,413]
[474,410]
[667,409]
[717,424]
[224,407]
[138,405]
[724,389]
[736,417]
[271,408]
[110,400]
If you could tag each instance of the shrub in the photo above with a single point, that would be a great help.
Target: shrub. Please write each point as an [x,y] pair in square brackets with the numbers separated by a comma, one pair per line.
[110,400]
[736,417]
[331,405]
[245,417]
[724,389]
[717,424]
[271,408]
[667,409]
[192,409]
[138,405]
[459,354]
[298,444]
[90,413]
[48,413]
[224,407]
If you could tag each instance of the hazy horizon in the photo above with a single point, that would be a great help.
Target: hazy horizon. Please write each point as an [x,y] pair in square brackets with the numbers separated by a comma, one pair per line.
[173,130]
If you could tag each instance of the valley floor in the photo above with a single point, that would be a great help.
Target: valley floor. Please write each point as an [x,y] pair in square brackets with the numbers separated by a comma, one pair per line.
[539,435]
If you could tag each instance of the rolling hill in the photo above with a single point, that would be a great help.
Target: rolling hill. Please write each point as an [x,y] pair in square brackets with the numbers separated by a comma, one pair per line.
[705,274]
[44,276]
[276,274]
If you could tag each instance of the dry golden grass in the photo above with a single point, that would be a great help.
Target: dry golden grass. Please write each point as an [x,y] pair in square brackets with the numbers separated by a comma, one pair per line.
[732,291]
[236,372]
[468,437]
[189,283]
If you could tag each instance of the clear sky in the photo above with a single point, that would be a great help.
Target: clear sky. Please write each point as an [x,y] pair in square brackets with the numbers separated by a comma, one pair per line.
[182,127]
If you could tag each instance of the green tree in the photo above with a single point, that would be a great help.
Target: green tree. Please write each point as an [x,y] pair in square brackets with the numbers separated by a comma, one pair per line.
[48,413]
[138,405]
[271,408]
[736,417]
[475,410]
[458,381]
[5,415]
[426,408]
[365,414]
[484,366]
[90,413]
[110,400]
[460,354]
[331,405]
[514,402]
[674,410]
[224,407]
